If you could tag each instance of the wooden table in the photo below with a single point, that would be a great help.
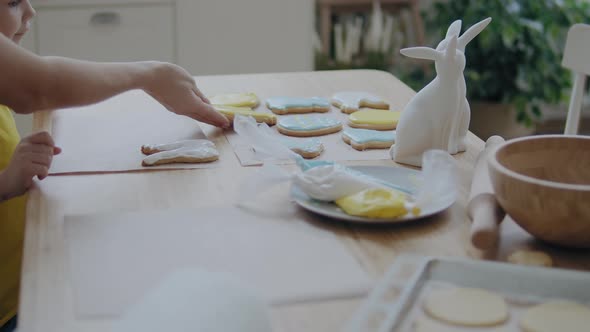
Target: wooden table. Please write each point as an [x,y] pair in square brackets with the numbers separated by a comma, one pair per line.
[46,293]
[329,7]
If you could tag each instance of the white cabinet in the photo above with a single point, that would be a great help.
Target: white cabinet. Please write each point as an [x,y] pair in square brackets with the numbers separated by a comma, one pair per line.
[204,36]
[108,33]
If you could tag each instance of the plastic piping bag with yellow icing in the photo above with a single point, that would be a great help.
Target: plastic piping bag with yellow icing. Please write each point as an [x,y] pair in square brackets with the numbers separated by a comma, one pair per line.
[328,181]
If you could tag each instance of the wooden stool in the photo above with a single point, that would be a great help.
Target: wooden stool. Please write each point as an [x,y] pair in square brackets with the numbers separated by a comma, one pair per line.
[328,7]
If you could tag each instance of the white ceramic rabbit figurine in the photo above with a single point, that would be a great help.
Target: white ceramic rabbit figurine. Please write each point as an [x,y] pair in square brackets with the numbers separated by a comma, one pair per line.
[431,118]
[430,107]
[462,41]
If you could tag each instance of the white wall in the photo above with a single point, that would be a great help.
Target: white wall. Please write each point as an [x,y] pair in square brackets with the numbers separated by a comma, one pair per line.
[245,36]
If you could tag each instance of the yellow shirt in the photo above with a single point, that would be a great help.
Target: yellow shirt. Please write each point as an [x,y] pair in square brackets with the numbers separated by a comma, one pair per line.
[12,220]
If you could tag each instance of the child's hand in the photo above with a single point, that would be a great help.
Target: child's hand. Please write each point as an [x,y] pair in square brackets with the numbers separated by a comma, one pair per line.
[32,157]
[175,88]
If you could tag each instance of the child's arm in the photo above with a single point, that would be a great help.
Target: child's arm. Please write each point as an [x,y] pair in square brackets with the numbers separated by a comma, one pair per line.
[32,157]
[29,83]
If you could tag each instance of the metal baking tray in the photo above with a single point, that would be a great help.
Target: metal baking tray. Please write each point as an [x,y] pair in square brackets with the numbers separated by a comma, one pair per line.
[395,302]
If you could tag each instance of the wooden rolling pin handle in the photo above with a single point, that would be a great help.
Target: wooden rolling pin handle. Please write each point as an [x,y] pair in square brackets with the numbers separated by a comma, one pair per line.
[482,207]
[486,215]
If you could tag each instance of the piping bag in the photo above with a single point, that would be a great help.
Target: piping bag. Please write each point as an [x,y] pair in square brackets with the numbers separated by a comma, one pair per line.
[328,181]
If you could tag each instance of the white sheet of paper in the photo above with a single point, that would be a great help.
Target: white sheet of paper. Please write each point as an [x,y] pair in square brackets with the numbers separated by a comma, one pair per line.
[109,137]
[114,259]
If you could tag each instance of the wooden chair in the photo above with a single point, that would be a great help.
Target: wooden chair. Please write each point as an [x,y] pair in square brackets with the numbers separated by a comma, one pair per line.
[576,57]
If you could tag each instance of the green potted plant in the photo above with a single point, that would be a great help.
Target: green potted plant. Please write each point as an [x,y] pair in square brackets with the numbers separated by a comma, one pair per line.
[516,61]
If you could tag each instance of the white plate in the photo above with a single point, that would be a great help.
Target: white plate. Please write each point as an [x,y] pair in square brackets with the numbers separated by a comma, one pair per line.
[406,179]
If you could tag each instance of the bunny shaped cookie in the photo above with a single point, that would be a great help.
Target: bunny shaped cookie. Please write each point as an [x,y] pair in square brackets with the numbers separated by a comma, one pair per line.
[431,119]
[462,41]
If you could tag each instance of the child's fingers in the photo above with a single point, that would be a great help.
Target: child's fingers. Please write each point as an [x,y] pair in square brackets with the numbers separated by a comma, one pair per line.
[201,95]
[41,171]
[38,148]
[42,137]
[206,113]
[56,150]
[42,159]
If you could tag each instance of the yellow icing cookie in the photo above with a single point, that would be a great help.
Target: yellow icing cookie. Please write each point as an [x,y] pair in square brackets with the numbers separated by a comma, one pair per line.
[236,99]
[374,119]
[231,111]
[375,203]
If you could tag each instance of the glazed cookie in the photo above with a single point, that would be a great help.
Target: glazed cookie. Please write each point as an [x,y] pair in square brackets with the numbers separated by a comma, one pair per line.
[374,119]
[190,151]
[308,125]
[350,102]
[363,139]
[296,105]
[149,149]
[243,99]
[307,148]
[260,117]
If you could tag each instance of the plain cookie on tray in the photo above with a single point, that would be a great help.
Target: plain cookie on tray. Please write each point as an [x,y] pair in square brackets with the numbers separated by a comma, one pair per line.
[374,119]
[297,105]
[466,307]
[261,117]
[351,101]
[189,151]
[363,139]
[308,125]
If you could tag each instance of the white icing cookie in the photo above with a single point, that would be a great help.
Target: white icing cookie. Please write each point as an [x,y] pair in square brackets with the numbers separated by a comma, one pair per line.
[350,102]
[308,125]
[306,147]
[289,105]
[362,139]
[243,99]
[189,151]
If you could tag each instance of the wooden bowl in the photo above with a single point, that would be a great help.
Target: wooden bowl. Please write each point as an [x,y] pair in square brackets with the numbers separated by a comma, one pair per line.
[543,183]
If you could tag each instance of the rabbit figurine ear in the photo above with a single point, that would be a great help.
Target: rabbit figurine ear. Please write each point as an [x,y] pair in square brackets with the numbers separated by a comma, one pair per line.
[451,47]
[454,29]
[422,53]
[472,33]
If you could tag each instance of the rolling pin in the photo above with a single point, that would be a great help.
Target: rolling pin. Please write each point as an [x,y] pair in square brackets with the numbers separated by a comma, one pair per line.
[482,207]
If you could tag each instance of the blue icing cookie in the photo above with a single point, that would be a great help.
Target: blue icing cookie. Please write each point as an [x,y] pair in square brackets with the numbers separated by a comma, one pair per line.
[309,145]
[366,135]
[362,139]
[283,105]
[308,123]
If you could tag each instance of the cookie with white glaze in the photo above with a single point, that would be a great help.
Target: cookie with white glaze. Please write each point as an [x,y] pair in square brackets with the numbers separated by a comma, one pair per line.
[363,139]
[374,119]
[308,148]
[352,101]
[308,125]
[297,105]
[189,151]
